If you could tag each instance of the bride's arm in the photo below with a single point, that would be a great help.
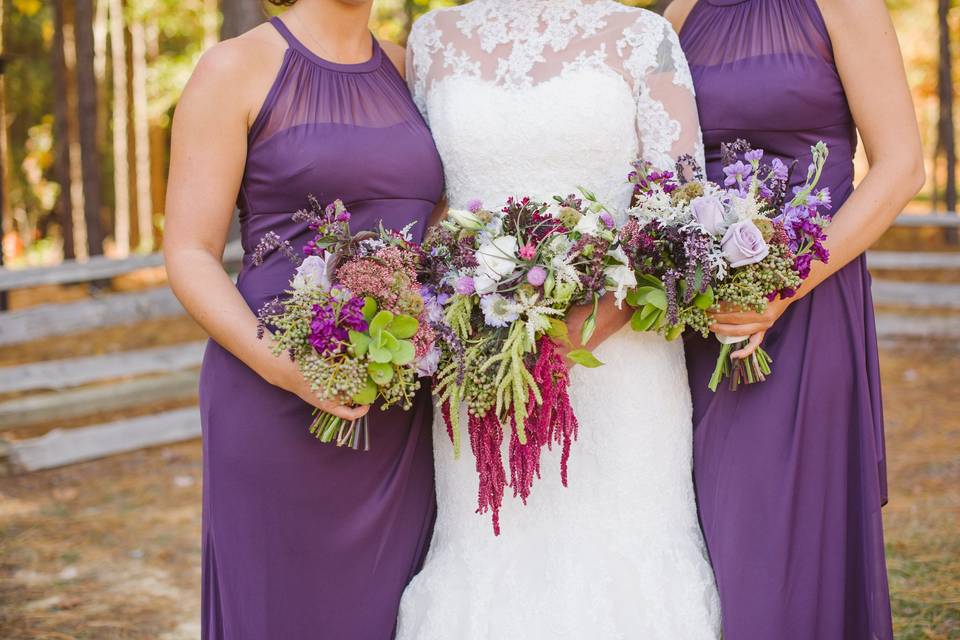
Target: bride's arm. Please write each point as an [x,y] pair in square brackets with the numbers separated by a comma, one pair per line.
[668,128]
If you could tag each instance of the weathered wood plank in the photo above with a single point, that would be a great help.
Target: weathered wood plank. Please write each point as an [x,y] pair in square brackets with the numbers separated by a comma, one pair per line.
[944,219]
[917,295]
[61,374]
[897,325]
[49,407]
[47,320]
[69,446]
[96,268]
[909,261]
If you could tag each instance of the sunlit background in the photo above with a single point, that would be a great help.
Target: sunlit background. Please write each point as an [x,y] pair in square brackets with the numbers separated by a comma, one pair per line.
[97,349]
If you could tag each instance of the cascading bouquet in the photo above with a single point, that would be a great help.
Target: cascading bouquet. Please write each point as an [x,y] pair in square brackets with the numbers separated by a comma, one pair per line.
[507,279]
[353,319]
[695,245]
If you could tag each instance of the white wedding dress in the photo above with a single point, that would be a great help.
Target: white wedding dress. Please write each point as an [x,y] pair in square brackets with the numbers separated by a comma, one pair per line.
[538,97]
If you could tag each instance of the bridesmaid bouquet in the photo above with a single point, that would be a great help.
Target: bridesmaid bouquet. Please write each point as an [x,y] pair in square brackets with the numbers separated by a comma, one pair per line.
[507,279]
[695,245]
[354,318]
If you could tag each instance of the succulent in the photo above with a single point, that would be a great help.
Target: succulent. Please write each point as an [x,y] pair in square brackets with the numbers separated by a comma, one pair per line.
[387,342]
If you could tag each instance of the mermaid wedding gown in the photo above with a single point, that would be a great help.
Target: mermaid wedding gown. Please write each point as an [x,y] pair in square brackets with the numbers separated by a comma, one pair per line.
[536,98]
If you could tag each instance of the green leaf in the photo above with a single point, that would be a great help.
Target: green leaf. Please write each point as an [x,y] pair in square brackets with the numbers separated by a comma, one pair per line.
[360,342]
[404,353]
[366,395]
[380,354]
[675,331]
[381,373]
[646,318]
[388,341]
[657,298]
[404,327]
[380,321]
[369,308]
[705,300]
[584,358]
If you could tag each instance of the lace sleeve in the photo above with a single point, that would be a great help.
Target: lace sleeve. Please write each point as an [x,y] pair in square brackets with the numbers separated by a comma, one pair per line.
[421,46]
[668,125]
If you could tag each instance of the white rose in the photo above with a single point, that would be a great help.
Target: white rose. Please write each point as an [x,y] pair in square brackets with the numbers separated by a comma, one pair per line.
[497,258]
[312,272]
[589,224]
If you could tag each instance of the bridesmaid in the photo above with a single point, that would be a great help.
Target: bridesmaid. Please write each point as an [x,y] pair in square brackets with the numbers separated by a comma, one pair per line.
[300,540]
[790,474]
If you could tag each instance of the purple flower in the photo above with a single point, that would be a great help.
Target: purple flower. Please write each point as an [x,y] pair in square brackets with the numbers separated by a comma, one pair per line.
[754,155]
[537,276]
[607,219]
[708,212]
[743,244]
[474,205]
[464,286]
[823,198]
[330,329]
[780,170]
[736,173]
[802,265]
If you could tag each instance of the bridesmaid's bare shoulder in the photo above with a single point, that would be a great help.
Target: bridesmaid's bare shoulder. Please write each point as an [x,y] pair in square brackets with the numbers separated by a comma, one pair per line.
[241,68]
[397,55]
[850,14]
[677,12]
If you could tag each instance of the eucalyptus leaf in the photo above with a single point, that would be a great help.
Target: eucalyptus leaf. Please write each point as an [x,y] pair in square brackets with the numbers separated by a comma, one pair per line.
[584,358]
[381,373]
[366,395]
[369,308]
[360,342]
[404,353]
[380,321]
[404,327]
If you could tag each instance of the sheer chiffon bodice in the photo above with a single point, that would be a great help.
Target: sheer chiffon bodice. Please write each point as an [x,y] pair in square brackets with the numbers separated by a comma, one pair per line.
[536,98]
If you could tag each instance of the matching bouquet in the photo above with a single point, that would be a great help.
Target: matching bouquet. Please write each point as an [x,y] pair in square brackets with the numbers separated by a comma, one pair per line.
[696,245]
[353,319]
[507,279]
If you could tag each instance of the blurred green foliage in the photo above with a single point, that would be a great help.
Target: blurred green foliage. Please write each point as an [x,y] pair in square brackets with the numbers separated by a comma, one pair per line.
[181,28]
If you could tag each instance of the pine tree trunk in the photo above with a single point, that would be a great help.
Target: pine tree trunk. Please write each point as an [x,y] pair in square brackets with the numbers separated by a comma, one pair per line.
[121,163]
[946,138]
[141,133]
[239,16]
[87,120]
[61,132]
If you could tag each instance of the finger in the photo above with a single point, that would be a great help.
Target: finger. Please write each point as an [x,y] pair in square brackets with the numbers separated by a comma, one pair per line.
[737,329]
[755,341]
[737,317]
[347,413]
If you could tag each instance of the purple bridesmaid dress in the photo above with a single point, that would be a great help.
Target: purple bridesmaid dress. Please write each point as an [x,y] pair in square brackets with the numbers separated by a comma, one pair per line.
[790,473]
[302,540]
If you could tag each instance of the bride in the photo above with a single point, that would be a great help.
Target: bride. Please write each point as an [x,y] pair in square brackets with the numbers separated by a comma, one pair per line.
[535,98]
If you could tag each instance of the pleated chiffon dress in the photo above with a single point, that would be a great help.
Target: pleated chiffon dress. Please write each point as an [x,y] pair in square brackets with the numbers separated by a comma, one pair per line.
[790,473]
[303,540]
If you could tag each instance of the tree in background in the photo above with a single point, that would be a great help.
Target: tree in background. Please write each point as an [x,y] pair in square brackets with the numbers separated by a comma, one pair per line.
[87,120]
[240,16]
[946,131]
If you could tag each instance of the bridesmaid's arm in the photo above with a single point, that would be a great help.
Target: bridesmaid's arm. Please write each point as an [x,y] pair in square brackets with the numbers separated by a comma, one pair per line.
[871,68]
[208,155]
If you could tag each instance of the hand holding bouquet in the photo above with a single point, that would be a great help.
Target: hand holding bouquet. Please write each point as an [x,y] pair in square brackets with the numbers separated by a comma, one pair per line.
[351,319]
[508,278]
[697,245]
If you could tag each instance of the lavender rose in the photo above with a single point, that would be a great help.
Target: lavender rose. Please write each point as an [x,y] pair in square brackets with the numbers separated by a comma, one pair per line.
[708,211]
[743,244]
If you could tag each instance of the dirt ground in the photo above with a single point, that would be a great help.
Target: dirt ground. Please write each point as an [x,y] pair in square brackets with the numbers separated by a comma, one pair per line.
[109,549]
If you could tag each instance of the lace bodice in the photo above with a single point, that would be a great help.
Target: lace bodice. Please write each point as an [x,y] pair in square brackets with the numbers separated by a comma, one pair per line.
[536,98]
[589,84]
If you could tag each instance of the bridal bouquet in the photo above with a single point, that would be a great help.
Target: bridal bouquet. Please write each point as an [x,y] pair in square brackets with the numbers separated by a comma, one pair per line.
[353,319]
[696,245]
[507,279]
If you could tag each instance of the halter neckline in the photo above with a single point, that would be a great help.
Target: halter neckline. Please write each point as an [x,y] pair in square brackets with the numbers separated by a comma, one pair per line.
[357,67]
